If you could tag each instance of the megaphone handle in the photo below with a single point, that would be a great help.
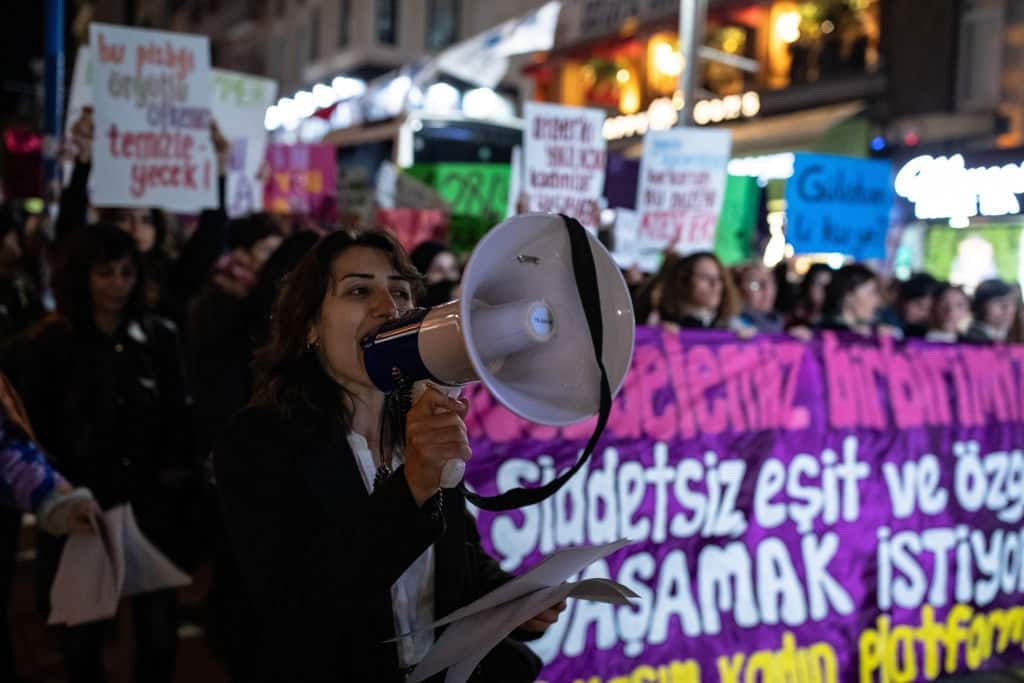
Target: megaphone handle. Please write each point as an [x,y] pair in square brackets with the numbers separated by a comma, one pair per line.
[452,473]
[454,469]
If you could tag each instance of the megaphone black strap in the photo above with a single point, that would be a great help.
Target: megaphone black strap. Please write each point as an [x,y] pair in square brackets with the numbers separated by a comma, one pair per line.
[585,272]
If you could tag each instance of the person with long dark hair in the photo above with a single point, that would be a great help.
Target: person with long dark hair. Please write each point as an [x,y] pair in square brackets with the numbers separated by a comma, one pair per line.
[698,292]
[951,314]
[105,387]
[995,311]
[852,301]
[808,311]
[331,491]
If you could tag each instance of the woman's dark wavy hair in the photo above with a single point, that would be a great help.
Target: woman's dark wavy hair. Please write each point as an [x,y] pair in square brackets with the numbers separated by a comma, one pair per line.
[678,290]
[85,248]
[844,282]
[289,375]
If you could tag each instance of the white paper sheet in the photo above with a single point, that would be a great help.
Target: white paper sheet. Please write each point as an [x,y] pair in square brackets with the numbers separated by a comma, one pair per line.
[96,571]
[477,628]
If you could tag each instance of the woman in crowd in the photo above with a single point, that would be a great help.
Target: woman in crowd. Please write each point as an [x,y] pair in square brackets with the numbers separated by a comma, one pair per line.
[648,295]
[697,292]
[226,324]
[915,297]
[440,269]
[757,289]
[995,311]
[29,484]
[951,314]
[852,300]
[104,384]
[1016,334]
[812,296]
[338,551]
[169,283]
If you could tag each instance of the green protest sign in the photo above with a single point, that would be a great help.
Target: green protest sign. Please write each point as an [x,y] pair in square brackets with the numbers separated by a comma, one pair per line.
[738,220]
[476,194]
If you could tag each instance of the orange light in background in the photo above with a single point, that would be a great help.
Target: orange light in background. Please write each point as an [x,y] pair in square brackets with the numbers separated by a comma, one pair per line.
[785,30]
[668,61]
[629,99]
[664,63]
[571,81]
[787,26]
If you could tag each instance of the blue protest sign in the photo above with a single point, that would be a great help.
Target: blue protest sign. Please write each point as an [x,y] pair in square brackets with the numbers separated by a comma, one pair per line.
[838,204]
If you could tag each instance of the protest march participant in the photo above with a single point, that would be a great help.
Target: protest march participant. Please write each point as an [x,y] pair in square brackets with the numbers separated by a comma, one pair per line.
[29,484]
[338,551]
[757,289]
[104,384]
[951,314]
[170,284]
[698,292]
[809,307]
[995,309]
[852,302]
[914,300]
[440,270]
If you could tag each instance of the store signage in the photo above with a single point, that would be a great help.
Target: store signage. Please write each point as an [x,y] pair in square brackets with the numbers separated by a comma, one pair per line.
[764,167]
[582,20]
[663,113]
[944,187]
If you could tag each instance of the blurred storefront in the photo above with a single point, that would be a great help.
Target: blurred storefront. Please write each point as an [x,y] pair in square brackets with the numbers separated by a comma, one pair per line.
[960,214]
[779,74]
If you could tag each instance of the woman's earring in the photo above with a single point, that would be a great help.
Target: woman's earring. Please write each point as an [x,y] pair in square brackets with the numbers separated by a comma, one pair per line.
[312,345]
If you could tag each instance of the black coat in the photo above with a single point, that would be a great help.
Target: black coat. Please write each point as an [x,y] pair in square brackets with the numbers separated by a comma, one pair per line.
[115,415]
[318,554]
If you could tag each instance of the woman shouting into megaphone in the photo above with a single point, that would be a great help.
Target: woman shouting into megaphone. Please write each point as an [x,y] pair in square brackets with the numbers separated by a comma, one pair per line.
[331,492]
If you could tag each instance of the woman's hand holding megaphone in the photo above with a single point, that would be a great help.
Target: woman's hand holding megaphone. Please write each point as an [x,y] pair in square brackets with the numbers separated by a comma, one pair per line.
[434,434]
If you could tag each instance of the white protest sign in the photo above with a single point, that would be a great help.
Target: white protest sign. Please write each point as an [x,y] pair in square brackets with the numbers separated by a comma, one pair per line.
[682,184]
[240,103]
[151,96]
[564,161]
[629,249]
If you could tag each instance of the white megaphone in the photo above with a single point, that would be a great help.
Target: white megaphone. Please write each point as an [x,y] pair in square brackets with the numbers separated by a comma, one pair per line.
[520,328]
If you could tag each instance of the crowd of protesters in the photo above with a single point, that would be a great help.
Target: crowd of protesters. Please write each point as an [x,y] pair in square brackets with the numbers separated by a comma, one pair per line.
[697,291]
[129,337]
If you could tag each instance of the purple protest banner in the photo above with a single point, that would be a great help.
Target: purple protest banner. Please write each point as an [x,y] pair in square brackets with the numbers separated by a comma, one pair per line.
[840,510]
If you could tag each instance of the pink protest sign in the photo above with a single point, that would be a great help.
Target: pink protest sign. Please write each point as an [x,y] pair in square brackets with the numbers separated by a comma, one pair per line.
[303,181]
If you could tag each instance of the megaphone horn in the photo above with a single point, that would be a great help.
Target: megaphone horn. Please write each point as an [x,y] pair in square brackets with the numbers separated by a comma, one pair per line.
[524,326]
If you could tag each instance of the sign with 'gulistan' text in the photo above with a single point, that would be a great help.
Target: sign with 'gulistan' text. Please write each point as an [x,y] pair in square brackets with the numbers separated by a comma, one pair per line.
[839,510]
[151,94]
[838,204]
